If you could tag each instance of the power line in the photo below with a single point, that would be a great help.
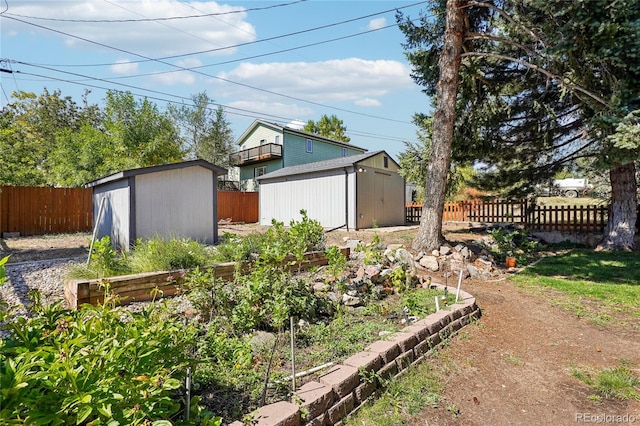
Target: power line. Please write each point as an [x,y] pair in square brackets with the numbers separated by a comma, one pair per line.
[235,46]
[170,18]
[209,75]
[228,109]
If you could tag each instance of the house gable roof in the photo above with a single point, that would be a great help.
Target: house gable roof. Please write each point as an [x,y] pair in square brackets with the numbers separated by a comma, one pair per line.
[152,169]
[334,163]
[301,133]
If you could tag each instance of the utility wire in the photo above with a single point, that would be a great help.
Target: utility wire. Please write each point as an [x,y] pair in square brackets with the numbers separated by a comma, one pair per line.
[235,46]
[228,109]
[181,68]
[170,18]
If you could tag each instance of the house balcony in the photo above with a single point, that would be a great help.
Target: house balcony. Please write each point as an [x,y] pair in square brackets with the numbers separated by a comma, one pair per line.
[270,151]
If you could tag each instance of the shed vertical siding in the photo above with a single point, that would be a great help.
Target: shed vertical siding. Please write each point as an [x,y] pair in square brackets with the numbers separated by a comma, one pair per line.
[115,219]
[323,195]
[380,198]
[176,203]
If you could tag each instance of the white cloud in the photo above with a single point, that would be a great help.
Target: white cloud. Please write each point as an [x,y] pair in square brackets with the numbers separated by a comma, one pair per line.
[173,78]
[339,80]
[124,67]
[296,124]
[152,39]
[376,24]
[276,109]
[368,102]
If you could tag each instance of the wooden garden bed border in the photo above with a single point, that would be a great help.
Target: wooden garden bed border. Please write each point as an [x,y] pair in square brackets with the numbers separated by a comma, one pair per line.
[149,285]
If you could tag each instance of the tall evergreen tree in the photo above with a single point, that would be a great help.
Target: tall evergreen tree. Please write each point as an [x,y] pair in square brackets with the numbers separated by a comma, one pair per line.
[542,85]
[206,132]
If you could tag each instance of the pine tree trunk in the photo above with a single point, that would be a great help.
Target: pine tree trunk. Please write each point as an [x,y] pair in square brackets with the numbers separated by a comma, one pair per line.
[619,234]
[429,236]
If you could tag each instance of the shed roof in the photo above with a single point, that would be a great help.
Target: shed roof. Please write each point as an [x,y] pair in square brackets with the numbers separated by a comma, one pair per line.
[152,169]
[334,163]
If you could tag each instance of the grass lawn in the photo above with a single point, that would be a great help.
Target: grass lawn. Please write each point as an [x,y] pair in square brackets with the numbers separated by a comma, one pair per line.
[612,277]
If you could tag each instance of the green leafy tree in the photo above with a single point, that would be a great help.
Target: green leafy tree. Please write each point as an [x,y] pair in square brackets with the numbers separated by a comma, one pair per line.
[206,132]
[141,134]
[29,127]
[330,127]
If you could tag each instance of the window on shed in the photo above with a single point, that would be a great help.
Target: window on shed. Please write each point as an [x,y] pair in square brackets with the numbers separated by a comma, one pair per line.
[386,162]
[263,141]
[277,139]
[309,145]
[344,152]
[259,171]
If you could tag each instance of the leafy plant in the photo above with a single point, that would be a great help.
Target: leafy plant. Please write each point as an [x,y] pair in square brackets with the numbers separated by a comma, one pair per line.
[98,365]
[104,260]
[516,243]
[3,277]
[337,260]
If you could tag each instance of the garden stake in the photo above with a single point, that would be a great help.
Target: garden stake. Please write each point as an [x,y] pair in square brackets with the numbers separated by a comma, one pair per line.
[95,228]
[293,357]
[459,284]
[437,304]
[266,379]
[188,386]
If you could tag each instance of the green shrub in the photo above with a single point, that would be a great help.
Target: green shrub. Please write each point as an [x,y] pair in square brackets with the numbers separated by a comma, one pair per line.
[101,364]
[104,261]
[166,254]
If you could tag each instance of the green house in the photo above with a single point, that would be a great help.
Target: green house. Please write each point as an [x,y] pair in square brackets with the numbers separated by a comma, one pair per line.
[267,147]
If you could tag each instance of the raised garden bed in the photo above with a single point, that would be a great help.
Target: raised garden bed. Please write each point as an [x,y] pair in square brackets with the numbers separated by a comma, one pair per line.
[153,285]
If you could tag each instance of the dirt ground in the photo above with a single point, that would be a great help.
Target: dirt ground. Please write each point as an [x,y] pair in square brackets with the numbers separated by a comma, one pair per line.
[510,368]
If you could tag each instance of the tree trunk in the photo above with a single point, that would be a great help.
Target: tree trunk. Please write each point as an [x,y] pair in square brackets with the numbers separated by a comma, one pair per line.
[429,236]
[619,234]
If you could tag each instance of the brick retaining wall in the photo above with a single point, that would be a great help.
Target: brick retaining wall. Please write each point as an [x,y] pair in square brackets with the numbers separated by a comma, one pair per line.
[342,390]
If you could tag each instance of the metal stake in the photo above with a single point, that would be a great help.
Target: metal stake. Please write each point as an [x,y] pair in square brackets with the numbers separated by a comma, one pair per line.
[293,356]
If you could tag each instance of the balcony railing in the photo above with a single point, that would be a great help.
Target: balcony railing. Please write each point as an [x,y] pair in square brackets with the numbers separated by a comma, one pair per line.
[264,152]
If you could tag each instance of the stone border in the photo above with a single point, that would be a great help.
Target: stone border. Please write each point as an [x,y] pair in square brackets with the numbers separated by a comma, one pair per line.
[341,391]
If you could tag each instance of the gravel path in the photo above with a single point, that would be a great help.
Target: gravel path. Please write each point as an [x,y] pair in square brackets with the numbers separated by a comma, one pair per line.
[47,276]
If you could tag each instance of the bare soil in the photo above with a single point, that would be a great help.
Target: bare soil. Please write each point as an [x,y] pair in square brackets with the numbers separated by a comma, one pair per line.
[512,367]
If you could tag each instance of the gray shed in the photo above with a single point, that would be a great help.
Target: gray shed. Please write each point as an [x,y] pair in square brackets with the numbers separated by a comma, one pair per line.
[356,192]
[172,200]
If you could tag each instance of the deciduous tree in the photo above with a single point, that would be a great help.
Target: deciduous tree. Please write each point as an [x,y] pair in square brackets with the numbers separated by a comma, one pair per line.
[330,127]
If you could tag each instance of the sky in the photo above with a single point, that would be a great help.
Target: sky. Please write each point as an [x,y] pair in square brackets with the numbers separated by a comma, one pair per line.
[284,61]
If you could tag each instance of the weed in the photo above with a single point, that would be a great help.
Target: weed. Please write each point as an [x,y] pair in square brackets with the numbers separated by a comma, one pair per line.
[618,382]
[514,359]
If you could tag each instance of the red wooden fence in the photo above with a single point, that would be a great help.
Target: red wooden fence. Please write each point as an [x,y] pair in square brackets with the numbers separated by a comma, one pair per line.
[575,219]
[45,210]
[238,206]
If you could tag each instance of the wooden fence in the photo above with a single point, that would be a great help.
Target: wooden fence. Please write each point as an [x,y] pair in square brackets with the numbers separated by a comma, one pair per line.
[238,206]
[45,210]
[571,219]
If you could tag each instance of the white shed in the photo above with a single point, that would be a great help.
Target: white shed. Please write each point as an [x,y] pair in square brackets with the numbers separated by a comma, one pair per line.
[356,192]
[172,200]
